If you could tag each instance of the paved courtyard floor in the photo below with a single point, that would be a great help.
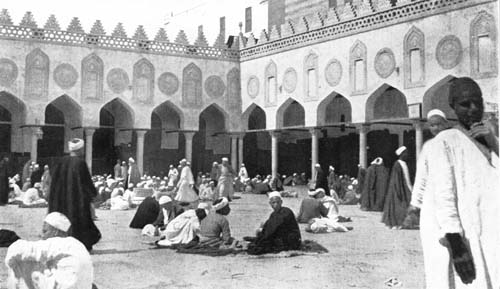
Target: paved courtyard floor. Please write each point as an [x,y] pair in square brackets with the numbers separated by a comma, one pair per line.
[363,258]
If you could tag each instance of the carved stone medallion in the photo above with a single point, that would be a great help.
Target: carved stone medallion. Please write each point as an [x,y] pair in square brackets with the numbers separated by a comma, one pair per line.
[214,86]
[290,80]
[65,75]
[117,80]
[168,83]
[385,62]
[449,52]
[333,72]
[253,86]
[8,72]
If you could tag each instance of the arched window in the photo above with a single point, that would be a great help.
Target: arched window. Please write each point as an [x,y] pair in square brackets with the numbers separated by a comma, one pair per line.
[414,58]
[357,68]
[271,84]
[483,43]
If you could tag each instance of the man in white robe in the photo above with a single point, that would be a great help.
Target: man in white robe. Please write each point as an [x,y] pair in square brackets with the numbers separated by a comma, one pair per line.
[57,261]
[172,176]
[185,192]
[460,214]
[225,184]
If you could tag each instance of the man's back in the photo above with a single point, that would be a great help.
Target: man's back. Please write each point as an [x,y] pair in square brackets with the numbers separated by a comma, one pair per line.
[311,208]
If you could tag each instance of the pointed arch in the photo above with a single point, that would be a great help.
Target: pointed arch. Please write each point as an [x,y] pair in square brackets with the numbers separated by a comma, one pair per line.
[171,114]
[334,108]
[15,107]
[121,112]
[254,117]
[143,82]
[192,92]
[71,110]
[36,80]
[358,67]
[215,117]
[13,114]
[271,83]
[92,77]
[414,58]
[290,113]
[483,46]
[386,102]
[437,97]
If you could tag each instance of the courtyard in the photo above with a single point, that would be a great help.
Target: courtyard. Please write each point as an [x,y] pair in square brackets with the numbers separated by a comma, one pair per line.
[363,258]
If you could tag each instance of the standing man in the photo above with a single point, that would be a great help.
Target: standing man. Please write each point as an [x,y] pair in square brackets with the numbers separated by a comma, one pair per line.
[5,171]
[374,188]
[225,185]
[320,180]
[124,172]
[134,176]
[398,192]
[71,193]
[460,210]
[117,170]
[185,191]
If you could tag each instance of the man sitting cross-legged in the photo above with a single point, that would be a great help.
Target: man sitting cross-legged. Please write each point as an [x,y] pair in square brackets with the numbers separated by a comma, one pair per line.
[279,233]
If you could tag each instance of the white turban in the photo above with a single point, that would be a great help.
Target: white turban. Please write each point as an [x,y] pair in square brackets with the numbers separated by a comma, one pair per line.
[434,112]
[225,159]
[58,221]
[274,194]
[164,200]
[315,192]
[377,161]
[222,204]
[204,206]
[131,160]
[75,144]
[317,165]
[400,150]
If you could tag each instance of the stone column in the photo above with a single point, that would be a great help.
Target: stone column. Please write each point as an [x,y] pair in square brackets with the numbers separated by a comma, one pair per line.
[314,148]
[140,150]
[363,131]
[189,145]
[36,134]
[419,137]
[234,151]
[240,150]
[274,152]
[89,135]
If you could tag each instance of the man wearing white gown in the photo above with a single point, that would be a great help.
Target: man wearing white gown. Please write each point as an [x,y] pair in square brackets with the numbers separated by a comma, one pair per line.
[185,192]
[57,261]
[460,214]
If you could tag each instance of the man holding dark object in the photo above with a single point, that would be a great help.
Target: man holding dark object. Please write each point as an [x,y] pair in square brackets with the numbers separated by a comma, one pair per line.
[461,211]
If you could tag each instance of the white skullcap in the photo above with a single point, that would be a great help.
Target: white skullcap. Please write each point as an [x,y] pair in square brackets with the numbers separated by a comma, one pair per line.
[314,227]
[222,204]
[164,200]
[274,194]
[183,161]
[377,161]
[37,185]
[355,182]
[131,160]
[350,187]
[242,164]
[400,150]
[204,206]
[225,159]
[436,112]
[317,165]
[75,144]
[331,168]
[58,221]
[130,185]
[315,192]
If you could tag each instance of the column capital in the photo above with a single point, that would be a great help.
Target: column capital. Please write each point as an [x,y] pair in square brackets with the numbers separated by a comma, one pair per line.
[36,131]
[315,131]
[274,133]
[189,134]
[141,132]
[89,130]
[363,127]
[418,124]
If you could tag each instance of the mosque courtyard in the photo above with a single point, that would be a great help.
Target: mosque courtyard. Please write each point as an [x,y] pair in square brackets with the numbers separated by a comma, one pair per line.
[363,258]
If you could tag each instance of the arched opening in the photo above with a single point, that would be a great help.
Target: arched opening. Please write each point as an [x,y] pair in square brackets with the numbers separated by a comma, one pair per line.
[387,106]
[257,143]
[164,143]
[12,116]
[294,143]
[61,116]
[437,97]
[114,139]
[338,143]
[210,143]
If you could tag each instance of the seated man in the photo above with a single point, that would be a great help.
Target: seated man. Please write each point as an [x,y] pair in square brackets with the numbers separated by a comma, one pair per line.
[183,229]
[215,227]
[57,261]
[279,233]
[207,193]
[169,210]
[311,208]
[330,223]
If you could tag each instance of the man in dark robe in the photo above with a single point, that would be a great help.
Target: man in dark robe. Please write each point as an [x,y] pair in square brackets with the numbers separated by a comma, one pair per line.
[361,179]
[310,208]
[124,172]
[5,171]
[398,192]
[374,189]
[279,233]
[36,175]
[146,213]
[71,193]
[321,180]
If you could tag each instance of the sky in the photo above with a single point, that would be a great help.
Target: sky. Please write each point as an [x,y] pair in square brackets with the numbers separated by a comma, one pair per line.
[173,15]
